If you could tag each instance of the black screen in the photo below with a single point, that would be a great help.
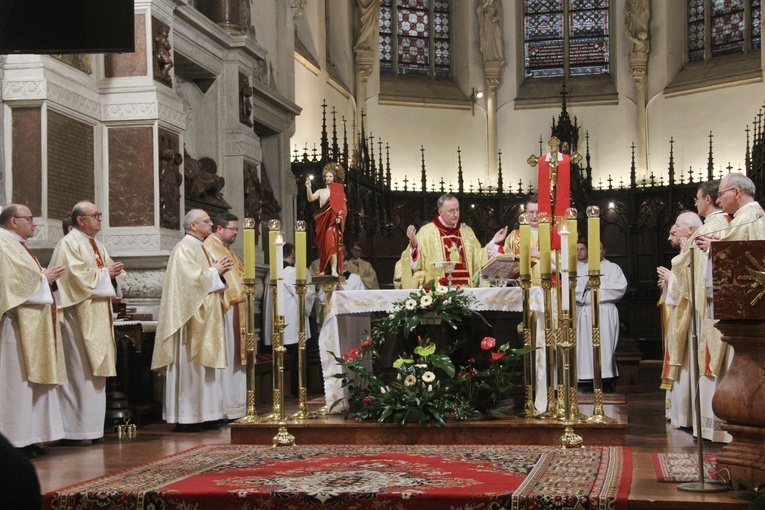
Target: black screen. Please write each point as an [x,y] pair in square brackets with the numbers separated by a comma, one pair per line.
[66,26]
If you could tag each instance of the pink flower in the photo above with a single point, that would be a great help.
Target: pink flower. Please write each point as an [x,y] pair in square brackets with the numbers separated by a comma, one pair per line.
[488,343]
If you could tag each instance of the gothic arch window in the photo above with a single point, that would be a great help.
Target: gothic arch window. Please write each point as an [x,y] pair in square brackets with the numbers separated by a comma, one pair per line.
[415,38]
[721,45]
[565,41]
[722,28]
[563,38]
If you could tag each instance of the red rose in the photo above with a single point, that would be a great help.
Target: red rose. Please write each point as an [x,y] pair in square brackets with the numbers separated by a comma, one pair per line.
[488,343]
[353,352]
[366,400]
[426,288]
[443,281]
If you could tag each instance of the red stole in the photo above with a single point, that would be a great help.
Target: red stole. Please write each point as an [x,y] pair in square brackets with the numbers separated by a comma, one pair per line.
[453,250]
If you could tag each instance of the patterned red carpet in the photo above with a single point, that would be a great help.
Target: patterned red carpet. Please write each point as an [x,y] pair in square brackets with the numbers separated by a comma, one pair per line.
[228,477]
[683,467]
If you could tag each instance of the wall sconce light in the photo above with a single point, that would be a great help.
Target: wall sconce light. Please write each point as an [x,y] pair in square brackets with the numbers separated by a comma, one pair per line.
[475,95]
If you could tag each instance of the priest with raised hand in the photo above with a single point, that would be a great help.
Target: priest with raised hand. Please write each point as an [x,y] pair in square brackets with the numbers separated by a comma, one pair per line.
[444,239]
[234,377]
[190,347]
[31,353]
[85,291]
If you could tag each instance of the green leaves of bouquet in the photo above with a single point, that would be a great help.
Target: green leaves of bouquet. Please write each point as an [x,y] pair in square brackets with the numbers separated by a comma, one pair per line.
[424,390]
[431,303]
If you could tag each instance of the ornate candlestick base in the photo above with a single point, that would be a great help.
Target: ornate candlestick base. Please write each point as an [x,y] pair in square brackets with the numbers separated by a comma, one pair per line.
[529,410]
[283,437]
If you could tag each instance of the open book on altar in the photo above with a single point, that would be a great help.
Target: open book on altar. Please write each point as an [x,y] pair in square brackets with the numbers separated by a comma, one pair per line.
[502,267]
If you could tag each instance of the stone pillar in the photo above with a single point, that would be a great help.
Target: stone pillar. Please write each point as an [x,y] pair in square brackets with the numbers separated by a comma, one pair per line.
[637,20]
[365,59]
[492,79]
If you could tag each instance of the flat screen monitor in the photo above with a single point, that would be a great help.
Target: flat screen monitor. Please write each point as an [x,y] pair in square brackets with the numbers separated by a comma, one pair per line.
[66,26]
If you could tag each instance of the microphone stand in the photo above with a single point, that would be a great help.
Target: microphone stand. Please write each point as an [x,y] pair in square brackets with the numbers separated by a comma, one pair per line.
[702,485]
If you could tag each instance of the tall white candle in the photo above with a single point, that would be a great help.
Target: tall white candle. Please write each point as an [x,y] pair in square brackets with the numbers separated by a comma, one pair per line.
[279,243]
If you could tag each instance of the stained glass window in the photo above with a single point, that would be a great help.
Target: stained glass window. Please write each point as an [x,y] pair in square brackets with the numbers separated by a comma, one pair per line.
[415,37]
[722,27]
[549,26]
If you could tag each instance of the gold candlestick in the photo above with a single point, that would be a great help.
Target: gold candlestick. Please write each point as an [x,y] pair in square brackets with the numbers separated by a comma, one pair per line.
[569,439]
[282,437]
[598,416]
[251,415]
[529,411]
[302,413]
[550,349]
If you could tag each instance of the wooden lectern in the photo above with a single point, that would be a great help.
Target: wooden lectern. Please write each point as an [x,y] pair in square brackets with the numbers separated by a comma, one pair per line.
[738,276]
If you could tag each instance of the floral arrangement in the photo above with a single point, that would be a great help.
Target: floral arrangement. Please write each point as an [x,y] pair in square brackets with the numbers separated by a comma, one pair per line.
[432,301]
[425,389]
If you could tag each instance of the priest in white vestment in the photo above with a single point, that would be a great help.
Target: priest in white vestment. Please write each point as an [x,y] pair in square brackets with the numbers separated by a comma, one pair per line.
[676,375]
[613,285]
[190,347]
[31,353]
[356,265]
[85,291]
[234,376]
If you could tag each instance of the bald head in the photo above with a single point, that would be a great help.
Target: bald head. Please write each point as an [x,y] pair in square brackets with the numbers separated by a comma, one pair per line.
[686,224]
[18,219]
[87,218]
[198,224]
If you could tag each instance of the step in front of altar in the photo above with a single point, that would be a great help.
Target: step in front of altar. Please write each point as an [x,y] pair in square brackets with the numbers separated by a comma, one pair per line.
[337,429]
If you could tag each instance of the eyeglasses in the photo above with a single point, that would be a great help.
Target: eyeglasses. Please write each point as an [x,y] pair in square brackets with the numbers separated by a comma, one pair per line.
[96,215]
[28,218]
[232,229]
[721,193]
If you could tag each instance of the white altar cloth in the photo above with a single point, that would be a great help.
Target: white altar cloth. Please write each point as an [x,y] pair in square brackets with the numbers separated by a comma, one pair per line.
[341,332]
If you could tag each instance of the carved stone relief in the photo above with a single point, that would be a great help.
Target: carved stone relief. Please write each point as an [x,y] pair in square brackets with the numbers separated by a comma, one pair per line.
[162,52]
[170,179]
[260,71]
[143,283]
[245,104]
[203,184]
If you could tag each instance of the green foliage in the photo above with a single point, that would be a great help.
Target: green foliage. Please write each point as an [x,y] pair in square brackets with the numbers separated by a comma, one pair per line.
[425,389]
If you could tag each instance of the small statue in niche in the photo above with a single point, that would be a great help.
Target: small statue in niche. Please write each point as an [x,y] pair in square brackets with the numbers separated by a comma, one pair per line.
[638,20]
[202,181]
[245,105]
[170,180]
[162,51]
[251,186]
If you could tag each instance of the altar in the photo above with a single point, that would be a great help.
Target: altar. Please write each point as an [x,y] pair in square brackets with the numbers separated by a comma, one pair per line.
[347,319]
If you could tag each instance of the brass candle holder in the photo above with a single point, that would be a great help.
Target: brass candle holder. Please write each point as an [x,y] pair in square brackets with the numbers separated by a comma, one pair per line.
[569,439]
[598,415]
[529,373]
[550,350]
[251,415]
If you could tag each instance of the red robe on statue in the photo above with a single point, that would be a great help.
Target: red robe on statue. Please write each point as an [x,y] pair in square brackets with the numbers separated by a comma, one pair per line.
[329,233]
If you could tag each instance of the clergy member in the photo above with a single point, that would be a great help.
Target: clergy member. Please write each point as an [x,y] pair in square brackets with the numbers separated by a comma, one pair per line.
[445,239]
[613,285]
[85,292]
[234,376]
[31,353]
[676,377]
[512,244]
[190,346]
[361,267]
[735,196]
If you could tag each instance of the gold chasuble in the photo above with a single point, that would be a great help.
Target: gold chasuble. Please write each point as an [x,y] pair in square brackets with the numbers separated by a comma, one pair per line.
[76,287]
[189,308]
[437,243]
[233,296]
[20,279]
